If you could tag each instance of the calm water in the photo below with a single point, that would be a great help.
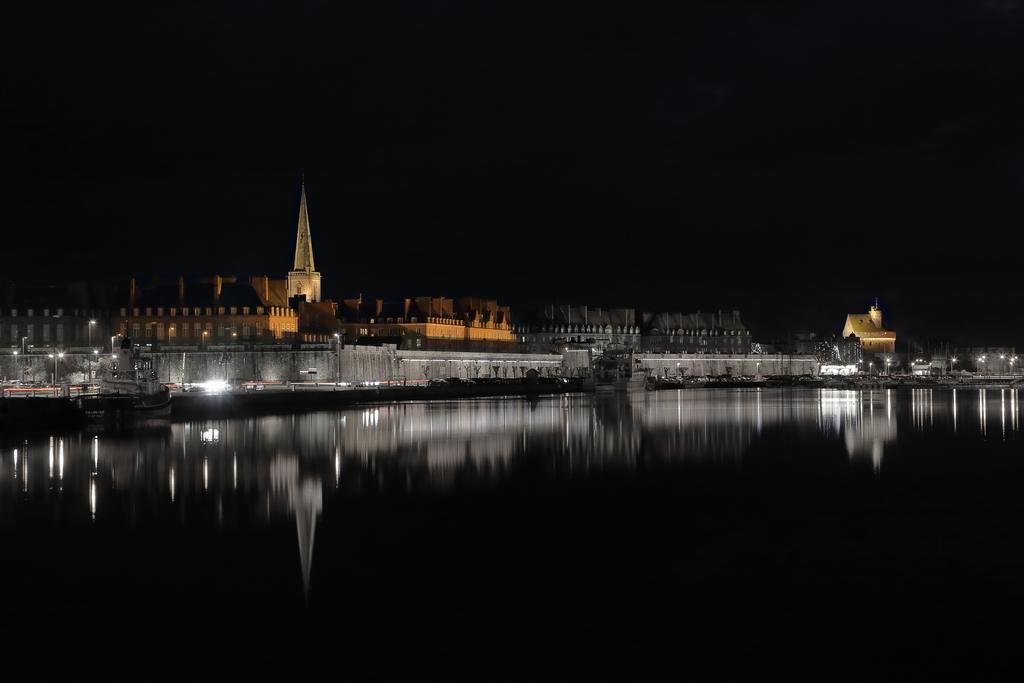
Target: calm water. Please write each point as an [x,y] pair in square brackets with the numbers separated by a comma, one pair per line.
[703,531]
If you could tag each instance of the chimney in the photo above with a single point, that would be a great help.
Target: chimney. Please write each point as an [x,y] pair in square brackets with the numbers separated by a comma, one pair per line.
[181,291]
[132,293]
[218,283]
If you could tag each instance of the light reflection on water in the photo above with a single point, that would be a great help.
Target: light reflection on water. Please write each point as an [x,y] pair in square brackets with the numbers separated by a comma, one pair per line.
[290,467]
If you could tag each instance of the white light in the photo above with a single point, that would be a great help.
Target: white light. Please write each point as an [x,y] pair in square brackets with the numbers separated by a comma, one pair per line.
[214,386]
[838,369]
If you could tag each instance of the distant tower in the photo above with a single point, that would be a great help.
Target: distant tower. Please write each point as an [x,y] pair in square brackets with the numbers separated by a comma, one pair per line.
[876,315]
[303,279]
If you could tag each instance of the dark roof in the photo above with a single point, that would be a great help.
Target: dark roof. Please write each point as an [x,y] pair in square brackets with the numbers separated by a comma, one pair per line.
[198,294]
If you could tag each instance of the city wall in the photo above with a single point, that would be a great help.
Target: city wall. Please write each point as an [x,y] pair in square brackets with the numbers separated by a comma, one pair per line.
[735,364]
[386,363]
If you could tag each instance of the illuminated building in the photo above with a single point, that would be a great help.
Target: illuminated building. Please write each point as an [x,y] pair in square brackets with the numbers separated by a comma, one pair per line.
[229,310]
[211,310]
[428,322]
[867,327]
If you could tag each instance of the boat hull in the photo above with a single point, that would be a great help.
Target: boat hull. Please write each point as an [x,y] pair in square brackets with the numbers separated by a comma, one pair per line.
[122,408]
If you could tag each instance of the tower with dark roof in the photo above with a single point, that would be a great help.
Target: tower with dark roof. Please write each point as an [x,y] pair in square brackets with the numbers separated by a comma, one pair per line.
[303,279]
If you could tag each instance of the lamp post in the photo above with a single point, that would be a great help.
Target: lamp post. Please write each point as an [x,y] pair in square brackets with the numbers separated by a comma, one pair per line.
[23,340]
[337,353]
[205,334]
[952,362]
[92,323]
[95,352]
[55,357]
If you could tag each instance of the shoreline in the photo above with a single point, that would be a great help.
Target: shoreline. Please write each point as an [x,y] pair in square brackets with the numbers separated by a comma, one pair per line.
[61,413]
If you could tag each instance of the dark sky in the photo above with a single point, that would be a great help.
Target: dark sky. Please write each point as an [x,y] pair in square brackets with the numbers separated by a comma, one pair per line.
[790,159]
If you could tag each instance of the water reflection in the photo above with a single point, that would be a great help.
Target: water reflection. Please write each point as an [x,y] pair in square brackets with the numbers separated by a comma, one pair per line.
[295,467]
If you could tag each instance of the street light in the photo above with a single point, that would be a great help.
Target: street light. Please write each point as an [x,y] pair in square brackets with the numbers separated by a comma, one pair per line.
[337,352]
[91,324]
[952,362]
[55,357]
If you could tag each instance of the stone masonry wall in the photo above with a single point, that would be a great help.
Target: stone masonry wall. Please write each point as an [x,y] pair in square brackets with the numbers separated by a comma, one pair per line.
[384,363]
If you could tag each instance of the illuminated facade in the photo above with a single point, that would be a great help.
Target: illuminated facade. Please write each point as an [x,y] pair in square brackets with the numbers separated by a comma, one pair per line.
[428,322]
[213,310]
[868,328]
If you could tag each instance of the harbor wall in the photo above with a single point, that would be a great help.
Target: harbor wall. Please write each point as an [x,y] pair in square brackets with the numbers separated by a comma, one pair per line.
[350,364]
[386,363]
[731,364]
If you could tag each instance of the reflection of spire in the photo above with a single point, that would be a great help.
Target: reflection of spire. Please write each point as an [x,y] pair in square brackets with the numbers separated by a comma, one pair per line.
[308,501]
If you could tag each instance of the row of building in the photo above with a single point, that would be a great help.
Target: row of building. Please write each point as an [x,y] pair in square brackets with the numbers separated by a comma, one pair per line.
[227,311]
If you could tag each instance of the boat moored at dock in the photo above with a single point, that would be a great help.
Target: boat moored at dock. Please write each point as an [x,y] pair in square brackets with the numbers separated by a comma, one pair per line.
[129,391]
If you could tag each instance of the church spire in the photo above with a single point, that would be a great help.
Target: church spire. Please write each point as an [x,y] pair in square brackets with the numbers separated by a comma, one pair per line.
[303,240]
[303,280]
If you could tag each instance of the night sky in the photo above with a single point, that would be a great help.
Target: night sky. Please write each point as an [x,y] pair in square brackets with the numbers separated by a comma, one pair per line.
[790,159]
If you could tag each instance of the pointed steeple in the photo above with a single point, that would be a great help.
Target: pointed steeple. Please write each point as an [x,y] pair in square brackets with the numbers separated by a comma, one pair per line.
[303,280]
[303,240]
